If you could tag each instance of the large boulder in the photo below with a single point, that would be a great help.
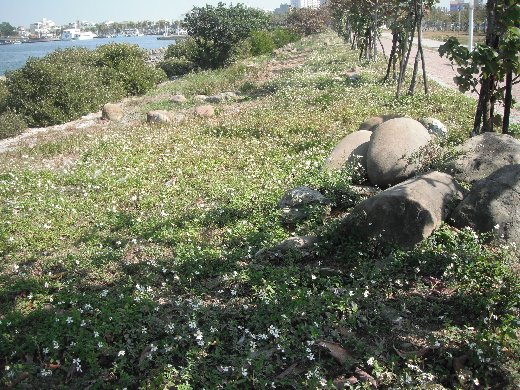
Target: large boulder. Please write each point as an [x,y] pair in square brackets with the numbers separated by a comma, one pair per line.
[351,149]
[302,202]
[390,152]
[406,214]
[112,112]
[158,116]
[484,154]
[493,205]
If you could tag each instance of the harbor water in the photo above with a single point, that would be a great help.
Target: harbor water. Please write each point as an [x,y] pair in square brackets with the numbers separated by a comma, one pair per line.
[15,56]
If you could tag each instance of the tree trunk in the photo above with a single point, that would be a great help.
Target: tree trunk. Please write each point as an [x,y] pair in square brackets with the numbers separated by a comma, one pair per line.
[404,64]
[411,89]
[419,44]
[392,54]
[508,101]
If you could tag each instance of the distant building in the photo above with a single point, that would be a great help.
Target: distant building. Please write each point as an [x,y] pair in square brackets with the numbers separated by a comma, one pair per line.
[282,9]
[306,3]
[458,5]
[44,28]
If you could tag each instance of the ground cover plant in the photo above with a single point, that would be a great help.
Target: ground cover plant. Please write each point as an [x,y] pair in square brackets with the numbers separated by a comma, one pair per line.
[128,252]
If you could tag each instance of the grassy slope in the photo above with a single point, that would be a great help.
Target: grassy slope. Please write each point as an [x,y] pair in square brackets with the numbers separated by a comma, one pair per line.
[131,249]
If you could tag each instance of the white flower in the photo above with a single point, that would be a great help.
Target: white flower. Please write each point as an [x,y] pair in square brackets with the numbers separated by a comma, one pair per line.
[370,361]
[121,353]
[366,294]
[244,372]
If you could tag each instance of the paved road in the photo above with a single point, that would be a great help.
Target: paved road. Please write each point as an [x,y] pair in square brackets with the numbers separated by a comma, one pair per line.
[441,70]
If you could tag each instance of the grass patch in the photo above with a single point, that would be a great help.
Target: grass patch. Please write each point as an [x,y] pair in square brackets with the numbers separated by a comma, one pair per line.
[134,266]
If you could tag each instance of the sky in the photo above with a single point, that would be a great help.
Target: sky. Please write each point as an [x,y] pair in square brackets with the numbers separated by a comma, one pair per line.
[25,12]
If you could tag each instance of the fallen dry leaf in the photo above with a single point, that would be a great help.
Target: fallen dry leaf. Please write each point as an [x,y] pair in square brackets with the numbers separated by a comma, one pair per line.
[414,354]
[337,351]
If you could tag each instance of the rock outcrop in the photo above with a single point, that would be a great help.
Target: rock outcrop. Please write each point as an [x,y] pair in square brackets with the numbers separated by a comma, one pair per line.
[371,123]
[493,205]
[484,154]
[406,214]
[391,148]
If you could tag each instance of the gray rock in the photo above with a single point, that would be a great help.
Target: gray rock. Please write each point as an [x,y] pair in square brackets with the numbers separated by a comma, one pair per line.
[158,116]
[392,145]
[179,99]
[351,149]
[200,98]
[112,112]
[435,127]
[299,247]
[493,205]
[484,154]
[206,111]
[299,203]
[406,214]
[371,123]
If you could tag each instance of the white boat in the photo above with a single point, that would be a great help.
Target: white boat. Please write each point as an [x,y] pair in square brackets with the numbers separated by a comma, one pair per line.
[75,34]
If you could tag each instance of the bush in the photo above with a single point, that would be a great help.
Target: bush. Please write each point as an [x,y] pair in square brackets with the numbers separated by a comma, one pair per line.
[218,30]
[283,36]
[67,84]
[59,87]
[3,96]
[307,21]
[127,65]
[174,67]
[261,43]
[11,124]
[183,49]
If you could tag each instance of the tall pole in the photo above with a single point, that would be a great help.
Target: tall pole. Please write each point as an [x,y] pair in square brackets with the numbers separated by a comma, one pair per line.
[470,40]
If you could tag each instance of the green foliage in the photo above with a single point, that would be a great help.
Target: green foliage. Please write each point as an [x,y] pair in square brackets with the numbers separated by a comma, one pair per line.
[6,29]
[186,48]
[307,21]
[126,65]
[261,43]
[174,67]
[59,87]
[69,83]
[11,124]
[217,30]
[4,92]
[283,36]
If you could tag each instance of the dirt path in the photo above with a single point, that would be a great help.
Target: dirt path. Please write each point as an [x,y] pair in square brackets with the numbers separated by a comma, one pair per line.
[441,70]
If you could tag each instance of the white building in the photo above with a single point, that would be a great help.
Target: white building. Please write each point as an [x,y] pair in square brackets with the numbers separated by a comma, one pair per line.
[44,28]
[305,3]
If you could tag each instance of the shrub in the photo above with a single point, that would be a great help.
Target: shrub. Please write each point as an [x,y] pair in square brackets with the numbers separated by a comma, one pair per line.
[261,43]
[58,87]
[174,67]
[307,21]
[3,96]
[11,124]
[127,65]
[217,30]
[183,49]
[284,36]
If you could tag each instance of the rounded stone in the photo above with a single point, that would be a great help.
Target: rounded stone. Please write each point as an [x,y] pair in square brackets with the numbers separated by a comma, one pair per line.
[352,149]
[391,148]
[112,112]
[205,111]
[435,127]
[179,99]
[158,116]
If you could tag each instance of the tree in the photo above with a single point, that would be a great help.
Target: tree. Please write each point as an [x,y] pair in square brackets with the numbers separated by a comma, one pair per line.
[6,29]
[307,21]
[492,68]
[218,30]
